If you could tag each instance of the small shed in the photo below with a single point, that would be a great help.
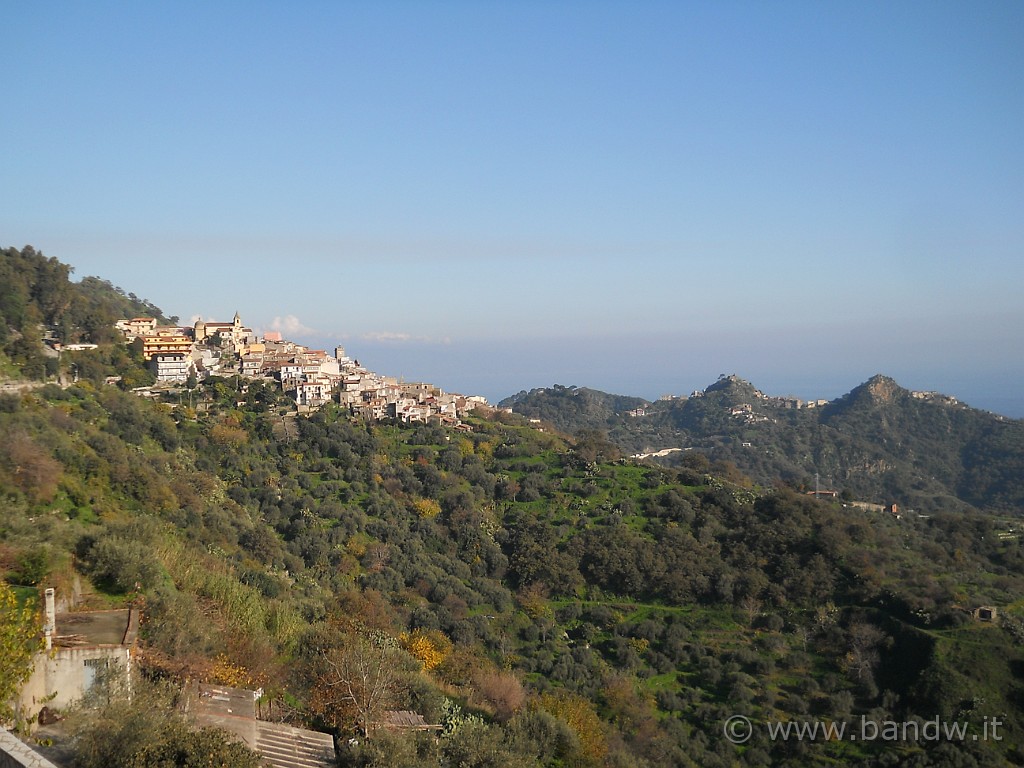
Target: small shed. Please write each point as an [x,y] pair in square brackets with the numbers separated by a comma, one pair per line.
[985,613]
[404,720]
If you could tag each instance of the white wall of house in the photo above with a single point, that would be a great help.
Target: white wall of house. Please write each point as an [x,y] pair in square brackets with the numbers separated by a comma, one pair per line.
[62,676]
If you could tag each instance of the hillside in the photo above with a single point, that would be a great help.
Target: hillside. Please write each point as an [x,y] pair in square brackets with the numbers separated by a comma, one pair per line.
[38,298]
[879,443]
[527,570]
[570,409]
[544,600]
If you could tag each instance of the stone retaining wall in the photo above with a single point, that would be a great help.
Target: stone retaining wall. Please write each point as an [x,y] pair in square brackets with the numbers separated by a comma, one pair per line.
[14,753]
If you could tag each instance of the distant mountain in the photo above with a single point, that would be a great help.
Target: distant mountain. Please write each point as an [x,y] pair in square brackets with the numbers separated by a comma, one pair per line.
[880,442]
[542,603]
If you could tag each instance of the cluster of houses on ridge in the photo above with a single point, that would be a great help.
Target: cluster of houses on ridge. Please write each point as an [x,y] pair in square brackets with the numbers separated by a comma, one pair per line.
[311,377]
[786,402]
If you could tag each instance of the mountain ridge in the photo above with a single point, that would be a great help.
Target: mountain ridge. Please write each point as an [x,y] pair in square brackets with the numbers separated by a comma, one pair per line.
[880,440]
[543,603]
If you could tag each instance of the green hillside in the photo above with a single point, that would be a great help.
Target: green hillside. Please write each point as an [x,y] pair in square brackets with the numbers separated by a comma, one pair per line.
[38,299]
[571,409]
[547,601]
[880,443]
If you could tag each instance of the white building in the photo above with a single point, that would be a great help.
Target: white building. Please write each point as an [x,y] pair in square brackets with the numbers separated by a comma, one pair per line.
[79,646]
[170,367]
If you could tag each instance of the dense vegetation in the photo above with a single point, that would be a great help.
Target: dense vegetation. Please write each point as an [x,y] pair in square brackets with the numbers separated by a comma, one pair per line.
[37,298]
[546,601]
[878,443]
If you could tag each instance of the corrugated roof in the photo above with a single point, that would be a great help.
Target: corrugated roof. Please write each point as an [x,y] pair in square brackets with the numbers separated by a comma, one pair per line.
[405,719]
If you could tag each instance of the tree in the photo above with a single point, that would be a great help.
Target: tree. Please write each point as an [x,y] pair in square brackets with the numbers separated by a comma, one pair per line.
[121,564]
[112,729]
[503,691]
[428,509]
[33,565]
[31,467]
[579,715]
[358,681]
[862,657]
[428,646]
[479,745]
[593,445]
[181,747]
[19,640]
[751,606]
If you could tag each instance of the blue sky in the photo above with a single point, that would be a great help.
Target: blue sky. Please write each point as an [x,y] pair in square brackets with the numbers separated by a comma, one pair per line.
[635,197]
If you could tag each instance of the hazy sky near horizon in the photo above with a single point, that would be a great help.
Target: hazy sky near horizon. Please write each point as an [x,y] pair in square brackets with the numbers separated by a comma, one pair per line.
[629,196]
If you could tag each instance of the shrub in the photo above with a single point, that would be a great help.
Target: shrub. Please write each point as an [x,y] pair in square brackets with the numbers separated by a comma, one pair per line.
[121,564]
[18,641]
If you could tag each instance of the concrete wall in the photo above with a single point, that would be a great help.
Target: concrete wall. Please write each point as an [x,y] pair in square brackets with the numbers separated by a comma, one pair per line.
[64,675]
[14,753]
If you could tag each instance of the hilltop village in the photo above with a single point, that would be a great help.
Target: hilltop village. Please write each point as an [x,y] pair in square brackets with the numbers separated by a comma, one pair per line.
[312,377]
[516,597]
